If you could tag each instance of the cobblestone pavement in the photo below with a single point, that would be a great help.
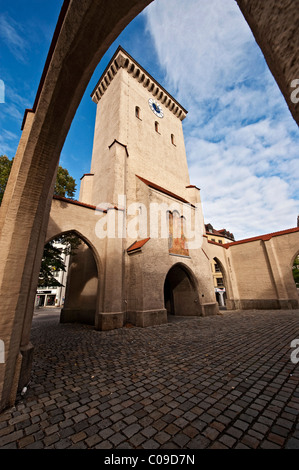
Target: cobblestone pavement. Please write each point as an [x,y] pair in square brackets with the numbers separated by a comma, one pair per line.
[215,382]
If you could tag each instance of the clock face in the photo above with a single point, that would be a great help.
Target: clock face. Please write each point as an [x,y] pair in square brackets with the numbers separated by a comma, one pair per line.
[156,108]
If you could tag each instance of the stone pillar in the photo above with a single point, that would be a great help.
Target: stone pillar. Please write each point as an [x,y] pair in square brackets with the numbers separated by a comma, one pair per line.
[23,225]
[111,311]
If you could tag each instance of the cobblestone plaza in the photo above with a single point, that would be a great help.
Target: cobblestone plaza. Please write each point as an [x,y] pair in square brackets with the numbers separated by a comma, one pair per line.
[220,382]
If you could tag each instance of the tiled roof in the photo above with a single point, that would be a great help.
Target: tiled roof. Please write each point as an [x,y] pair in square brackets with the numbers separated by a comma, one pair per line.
[266,237]
[163,190]
[137,245]
[82,204]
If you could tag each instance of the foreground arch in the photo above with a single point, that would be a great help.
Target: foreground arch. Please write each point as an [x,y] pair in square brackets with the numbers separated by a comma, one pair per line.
[84,32]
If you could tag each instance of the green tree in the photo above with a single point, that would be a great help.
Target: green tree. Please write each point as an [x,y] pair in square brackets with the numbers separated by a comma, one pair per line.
[296,270]
[52,257]
[52,262]
[65,185]
[5,167]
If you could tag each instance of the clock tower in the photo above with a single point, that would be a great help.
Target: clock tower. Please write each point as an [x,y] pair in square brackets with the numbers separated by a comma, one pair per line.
[138,119]
[139,161]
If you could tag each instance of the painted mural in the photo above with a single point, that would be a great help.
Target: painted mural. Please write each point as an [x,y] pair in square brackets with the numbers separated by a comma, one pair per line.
[177,239]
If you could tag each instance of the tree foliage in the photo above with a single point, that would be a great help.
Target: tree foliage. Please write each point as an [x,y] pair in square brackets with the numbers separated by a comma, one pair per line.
[65,185]
[52,263]
[5,167]
[53,259]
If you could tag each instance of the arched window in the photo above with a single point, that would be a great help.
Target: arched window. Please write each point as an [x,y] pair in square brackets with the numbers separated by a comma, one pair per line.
[173,139]
[137,112]
[157,127]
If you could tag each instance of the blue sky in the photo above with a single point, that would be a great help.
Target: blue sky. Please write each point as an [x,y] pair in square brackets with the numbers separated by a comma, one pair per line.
[241,141]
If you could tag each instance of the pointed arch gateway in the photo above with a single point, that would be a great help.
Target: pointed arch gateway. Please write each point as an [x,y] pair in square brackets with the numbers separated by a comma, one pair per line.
[180,292]
[84,32]
[82,287]
[221,282]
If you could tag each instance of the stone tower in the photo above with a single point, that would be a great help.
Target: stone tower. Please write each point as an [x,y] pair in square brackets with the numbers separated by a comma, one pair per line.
[139,161]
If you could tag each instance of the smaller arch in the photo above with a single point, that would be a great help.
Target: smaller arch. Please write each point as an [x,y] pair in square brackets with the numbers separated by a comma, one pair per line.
[221,288]
[137,112]
[181,292]
[84,239]
[83,282]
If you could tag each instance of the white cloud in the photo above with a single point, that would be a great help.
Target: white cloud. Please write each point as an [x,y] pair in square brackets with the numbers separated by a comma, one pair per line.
[13,36]
[241,141]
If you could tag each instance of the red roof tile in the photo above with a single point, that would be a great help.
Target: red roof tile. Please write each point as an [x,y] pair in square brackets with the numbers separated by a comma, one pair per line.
[82,204]
[137,245]
[266,237]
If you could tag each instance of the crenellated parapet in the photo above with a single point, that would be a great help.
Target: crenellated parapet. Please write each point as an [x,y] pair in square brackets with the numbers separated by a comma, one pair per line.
[122,59]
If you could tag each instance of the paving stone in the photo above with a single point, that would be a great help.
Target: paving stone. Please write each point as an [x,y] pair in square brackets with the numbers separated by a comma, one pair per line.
[228,441]
[199,442]
[250,441]
[25,441]
[220,396]
[292,443]
[93,440]
[131,430]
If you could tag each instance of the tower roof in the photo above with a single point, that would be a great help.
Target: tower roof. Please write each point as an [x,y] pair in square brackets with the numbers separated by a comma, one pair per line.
[121,59]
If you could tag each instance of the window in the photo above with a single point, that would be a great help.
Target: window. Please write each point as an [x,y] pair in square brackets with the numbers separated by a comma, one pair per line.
[173,139]
[157,127]
[220,282]
[217,268]
[137,112]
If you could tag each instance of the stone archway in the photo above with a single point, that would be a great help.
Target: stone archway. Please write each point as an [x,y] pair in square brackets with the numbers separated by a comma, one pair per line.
[180,292]
[221,288]
[84,32]
[82,288]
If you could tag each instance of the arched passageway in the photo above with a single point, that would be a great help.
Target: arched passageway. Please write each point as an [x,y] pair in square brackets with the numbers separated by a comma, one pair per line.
[80,284]
[220,282]
[180,292]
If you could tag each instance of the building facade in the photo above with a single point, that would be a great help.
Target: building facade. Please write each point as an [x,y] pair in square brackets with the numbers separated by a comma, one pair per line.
[129,270]
[139,183]
[218,236]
